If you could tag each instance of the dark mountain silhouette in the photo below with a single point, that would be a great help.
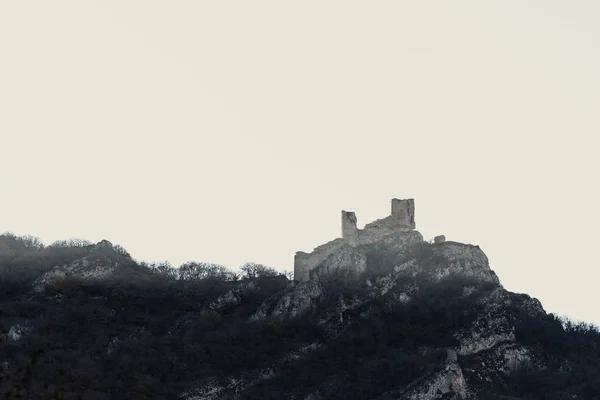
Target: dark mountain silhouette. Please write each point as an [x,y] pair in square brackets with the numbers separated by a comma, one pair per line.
[425,321]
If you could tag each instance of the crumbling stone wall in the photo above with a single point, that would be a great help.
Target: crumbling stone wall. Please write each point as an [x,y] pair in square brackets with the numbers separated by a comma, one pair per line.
[404,212]
[349,229]
[401,219]
[306,262]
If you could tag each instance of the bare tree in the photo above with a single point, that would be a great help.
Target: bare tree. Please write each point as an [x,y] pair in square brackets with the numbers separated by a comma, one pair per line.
[31,242]
[121,250]
[26,242]
[73,242]
[164,269]
[289,274]
[194,271]
[254,270]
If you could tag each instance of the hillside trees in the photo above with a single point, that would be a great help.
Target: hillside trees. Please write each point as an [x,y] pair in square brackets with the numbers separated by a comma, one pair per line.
[13,243]
[69,243]
[163,269]
[253,270]
[199,270]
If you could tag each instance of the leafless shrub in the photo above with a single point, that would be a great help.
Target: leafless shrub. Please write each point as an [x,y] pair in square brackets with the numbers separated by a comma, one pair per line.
[254,270]
[288,274]
[73,242]
[120,250]
[163,269]
[193,271]
[25,242]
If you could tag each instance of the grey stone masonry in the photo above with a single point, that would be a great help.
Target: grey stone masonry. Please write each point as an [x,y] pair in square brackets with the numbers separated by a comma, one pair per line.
[349,229]
[401,219]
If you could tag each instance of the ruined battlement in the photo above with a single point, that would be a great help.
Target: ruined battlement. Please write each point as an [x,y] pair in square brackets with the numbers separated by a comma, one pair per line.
[349,229]
[401,219]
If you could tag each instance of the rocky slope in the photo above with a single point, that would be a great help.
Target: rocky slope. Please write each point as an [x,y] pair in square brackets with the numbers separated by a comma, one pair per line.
[100,262]
[397,319]
[488,335]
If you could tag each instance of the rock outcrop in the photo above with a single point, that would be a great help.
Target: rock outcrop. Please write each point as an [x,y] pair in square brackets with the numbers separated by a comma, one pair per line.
[468,261]
[295,302]
[101,261]
[439,239]
[395,232]
[489,339]
[448,383]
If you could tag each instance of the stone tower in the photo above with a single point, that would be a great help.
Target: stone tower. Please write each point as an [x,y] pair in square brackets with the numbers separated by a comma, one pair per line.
[404,211]
[349,229]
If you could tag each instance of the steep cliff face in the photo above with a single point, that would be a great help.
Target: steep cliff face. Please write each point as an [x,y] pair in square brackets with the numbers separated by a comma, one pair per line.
[447,383]
[481,323]
[409,258]
[477,346]
[353,260]
[465,260]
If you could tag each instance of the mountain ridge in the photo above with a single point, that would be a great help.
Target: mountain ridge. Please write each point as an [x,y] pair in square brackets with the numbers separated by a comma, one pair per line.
[383,315]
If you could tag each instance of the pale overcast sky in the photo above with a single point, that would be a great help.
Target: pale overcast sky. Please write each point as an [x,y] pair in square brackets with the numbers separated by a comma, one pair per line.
[233,131]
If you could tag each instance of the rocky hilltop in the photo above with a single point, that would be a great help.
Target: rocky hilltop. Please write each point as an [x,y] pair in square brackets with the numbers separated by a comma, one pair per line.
[396,233]
[379,313]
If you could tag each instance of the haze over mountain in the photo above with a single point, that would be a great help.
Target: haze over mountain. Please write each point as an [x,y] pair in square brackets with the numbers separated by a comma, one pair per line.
[183,131]
[378,313]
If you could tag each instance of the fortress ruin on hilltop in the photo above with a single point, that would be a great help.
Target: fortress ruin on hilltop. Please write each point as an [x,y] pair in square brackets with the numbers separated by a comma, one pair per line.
[401,219]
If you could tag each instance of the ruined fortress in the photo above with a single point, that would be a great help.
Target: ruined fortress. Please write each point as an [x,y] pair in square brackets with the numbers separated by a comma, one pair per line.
[398,226]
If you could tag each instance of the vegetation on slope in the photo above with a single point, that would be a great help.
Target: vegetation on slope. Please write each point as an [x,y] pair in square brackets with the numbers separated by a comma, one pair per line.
[154,332]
